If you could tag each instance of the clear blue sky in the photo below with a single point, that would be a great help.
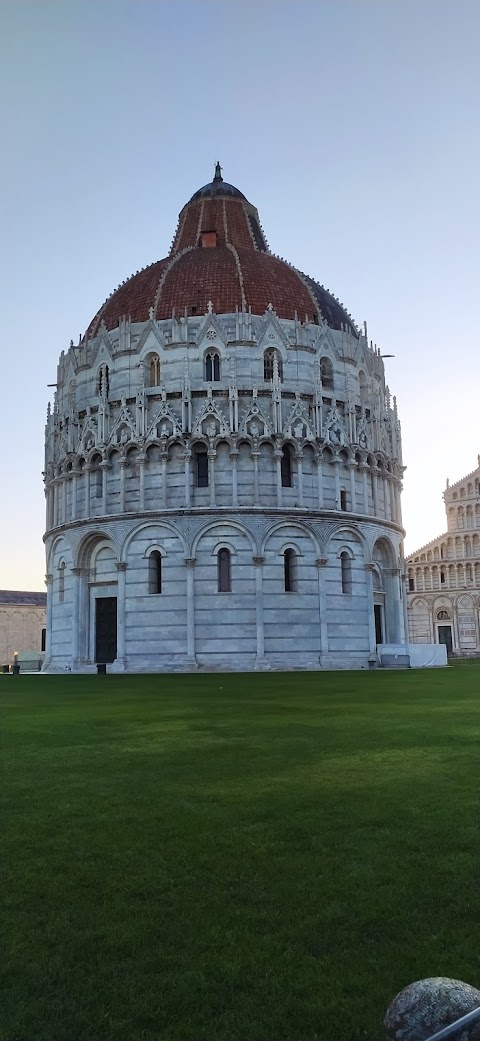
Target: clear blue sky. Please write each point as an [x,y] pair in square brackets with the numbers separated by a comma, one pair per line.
[351,124]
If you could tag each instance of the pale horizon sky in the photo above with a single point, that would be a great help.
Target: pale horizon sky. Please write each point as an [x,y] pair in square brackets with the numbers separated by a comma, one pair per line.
[352,125]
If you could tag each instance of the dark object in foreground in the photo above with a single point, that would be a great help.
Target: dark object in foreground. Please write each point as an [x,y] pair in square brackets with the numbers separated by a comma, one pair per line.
[427,1007]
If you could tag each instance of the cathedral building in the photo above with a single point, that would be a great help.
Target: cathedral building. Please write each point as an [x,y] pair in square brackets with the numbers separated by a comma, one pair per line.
[444,576]
[223,468]
[22,627]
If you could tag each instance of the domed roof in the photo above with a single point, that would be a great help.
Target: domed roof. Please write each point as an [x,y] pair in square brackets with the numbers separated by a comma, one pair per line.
[217,187]
[220,254]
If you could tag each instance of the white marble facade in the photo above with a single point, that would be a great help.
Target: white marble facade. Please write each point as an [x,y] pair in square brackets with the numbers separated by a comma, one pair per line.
[444,576]
[180,438]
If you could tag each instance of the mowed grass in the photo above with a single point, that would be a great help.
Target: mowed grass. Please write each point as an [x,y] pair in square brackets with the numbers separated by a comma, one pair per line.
[245,858]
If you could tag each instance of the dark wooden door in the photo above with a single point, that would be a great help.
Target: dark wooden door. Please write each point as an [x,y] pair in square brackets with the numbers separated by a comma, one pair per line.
[445,636]
[105,628]
[377,608]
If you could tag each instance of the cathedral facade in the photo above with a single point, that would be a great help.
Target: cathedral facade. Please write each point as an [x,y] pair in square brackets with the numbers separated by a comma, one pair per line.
[444,576]
[223,468]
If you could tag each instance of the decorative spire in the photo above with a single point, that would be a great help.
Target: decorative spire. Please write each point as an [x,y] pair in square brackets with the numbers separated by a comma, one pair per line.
[218,172]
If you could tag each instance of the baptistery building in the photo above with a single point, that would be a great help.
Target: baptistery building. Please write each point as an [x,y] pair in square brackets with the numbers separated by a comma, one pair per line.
[223,468]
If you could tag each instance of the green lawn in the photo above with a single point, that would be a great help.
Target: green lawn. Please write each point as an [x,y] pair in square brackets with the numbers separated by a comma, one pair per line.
[241,858]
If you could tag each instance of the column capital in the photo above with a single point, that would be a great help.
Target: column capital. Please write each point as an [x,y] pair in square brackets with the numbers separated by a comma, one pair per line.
[190,562]
[321,561]
[48,579]
[258,561]
[79,571]
[371,568]
[391,570]
[121,565]
[123,463]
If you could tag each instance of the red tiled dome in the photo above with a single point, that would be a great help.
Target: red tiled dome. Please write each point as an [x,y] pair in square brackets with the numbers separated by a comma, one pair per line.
[219,253]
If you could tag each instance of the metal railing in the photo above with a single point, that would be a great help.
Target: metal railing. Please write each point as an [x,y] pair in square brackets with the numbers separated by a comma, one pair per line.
[456,1027]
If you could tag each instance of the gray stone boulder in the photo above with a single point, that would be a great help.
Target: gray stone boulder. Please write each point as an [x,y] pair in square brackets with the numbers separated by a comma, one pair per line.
[427,1006]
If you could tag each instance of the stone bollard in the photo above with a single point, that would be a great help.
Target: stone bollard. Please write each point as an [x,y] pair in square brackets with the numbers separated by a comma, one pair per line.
[425,1007]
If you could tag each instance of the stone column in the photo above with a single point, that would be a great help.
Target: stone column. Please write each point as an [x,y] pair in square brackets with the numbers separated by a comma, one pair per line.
[55,501]
[337,485]
[211,456]
[374,492]
[48,507]
[234,457]
[318,460]
[299,458]
[369,568]
[187,459]
[322,605]
[364,471]
[398,502]
[76,572]
[104,467]
[190,564]
[75,476]
[123,467]
[87,471]
[353,491]
[164,457]
[396,606]
[406,631]
[141,482]
[121,615]
[64,498]
[255,454]
[391,500]
[48,633]
[83,616]
[260,659]
[277,454]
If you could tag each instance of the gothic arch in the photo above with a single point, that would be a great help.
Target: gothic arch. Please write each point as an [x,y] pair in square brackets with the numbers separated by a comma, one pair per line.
[92,542]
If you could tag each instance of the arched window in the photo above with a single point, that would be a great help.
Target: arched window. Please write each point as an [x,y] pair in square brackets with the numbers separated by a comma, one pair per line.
[286,467]
[202,469]
[212,367]
[343,499]
[326,373]
[154,371]
[290,571]
[268,367]
[155,572]
[223,571]
[346,566]
[61,582]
